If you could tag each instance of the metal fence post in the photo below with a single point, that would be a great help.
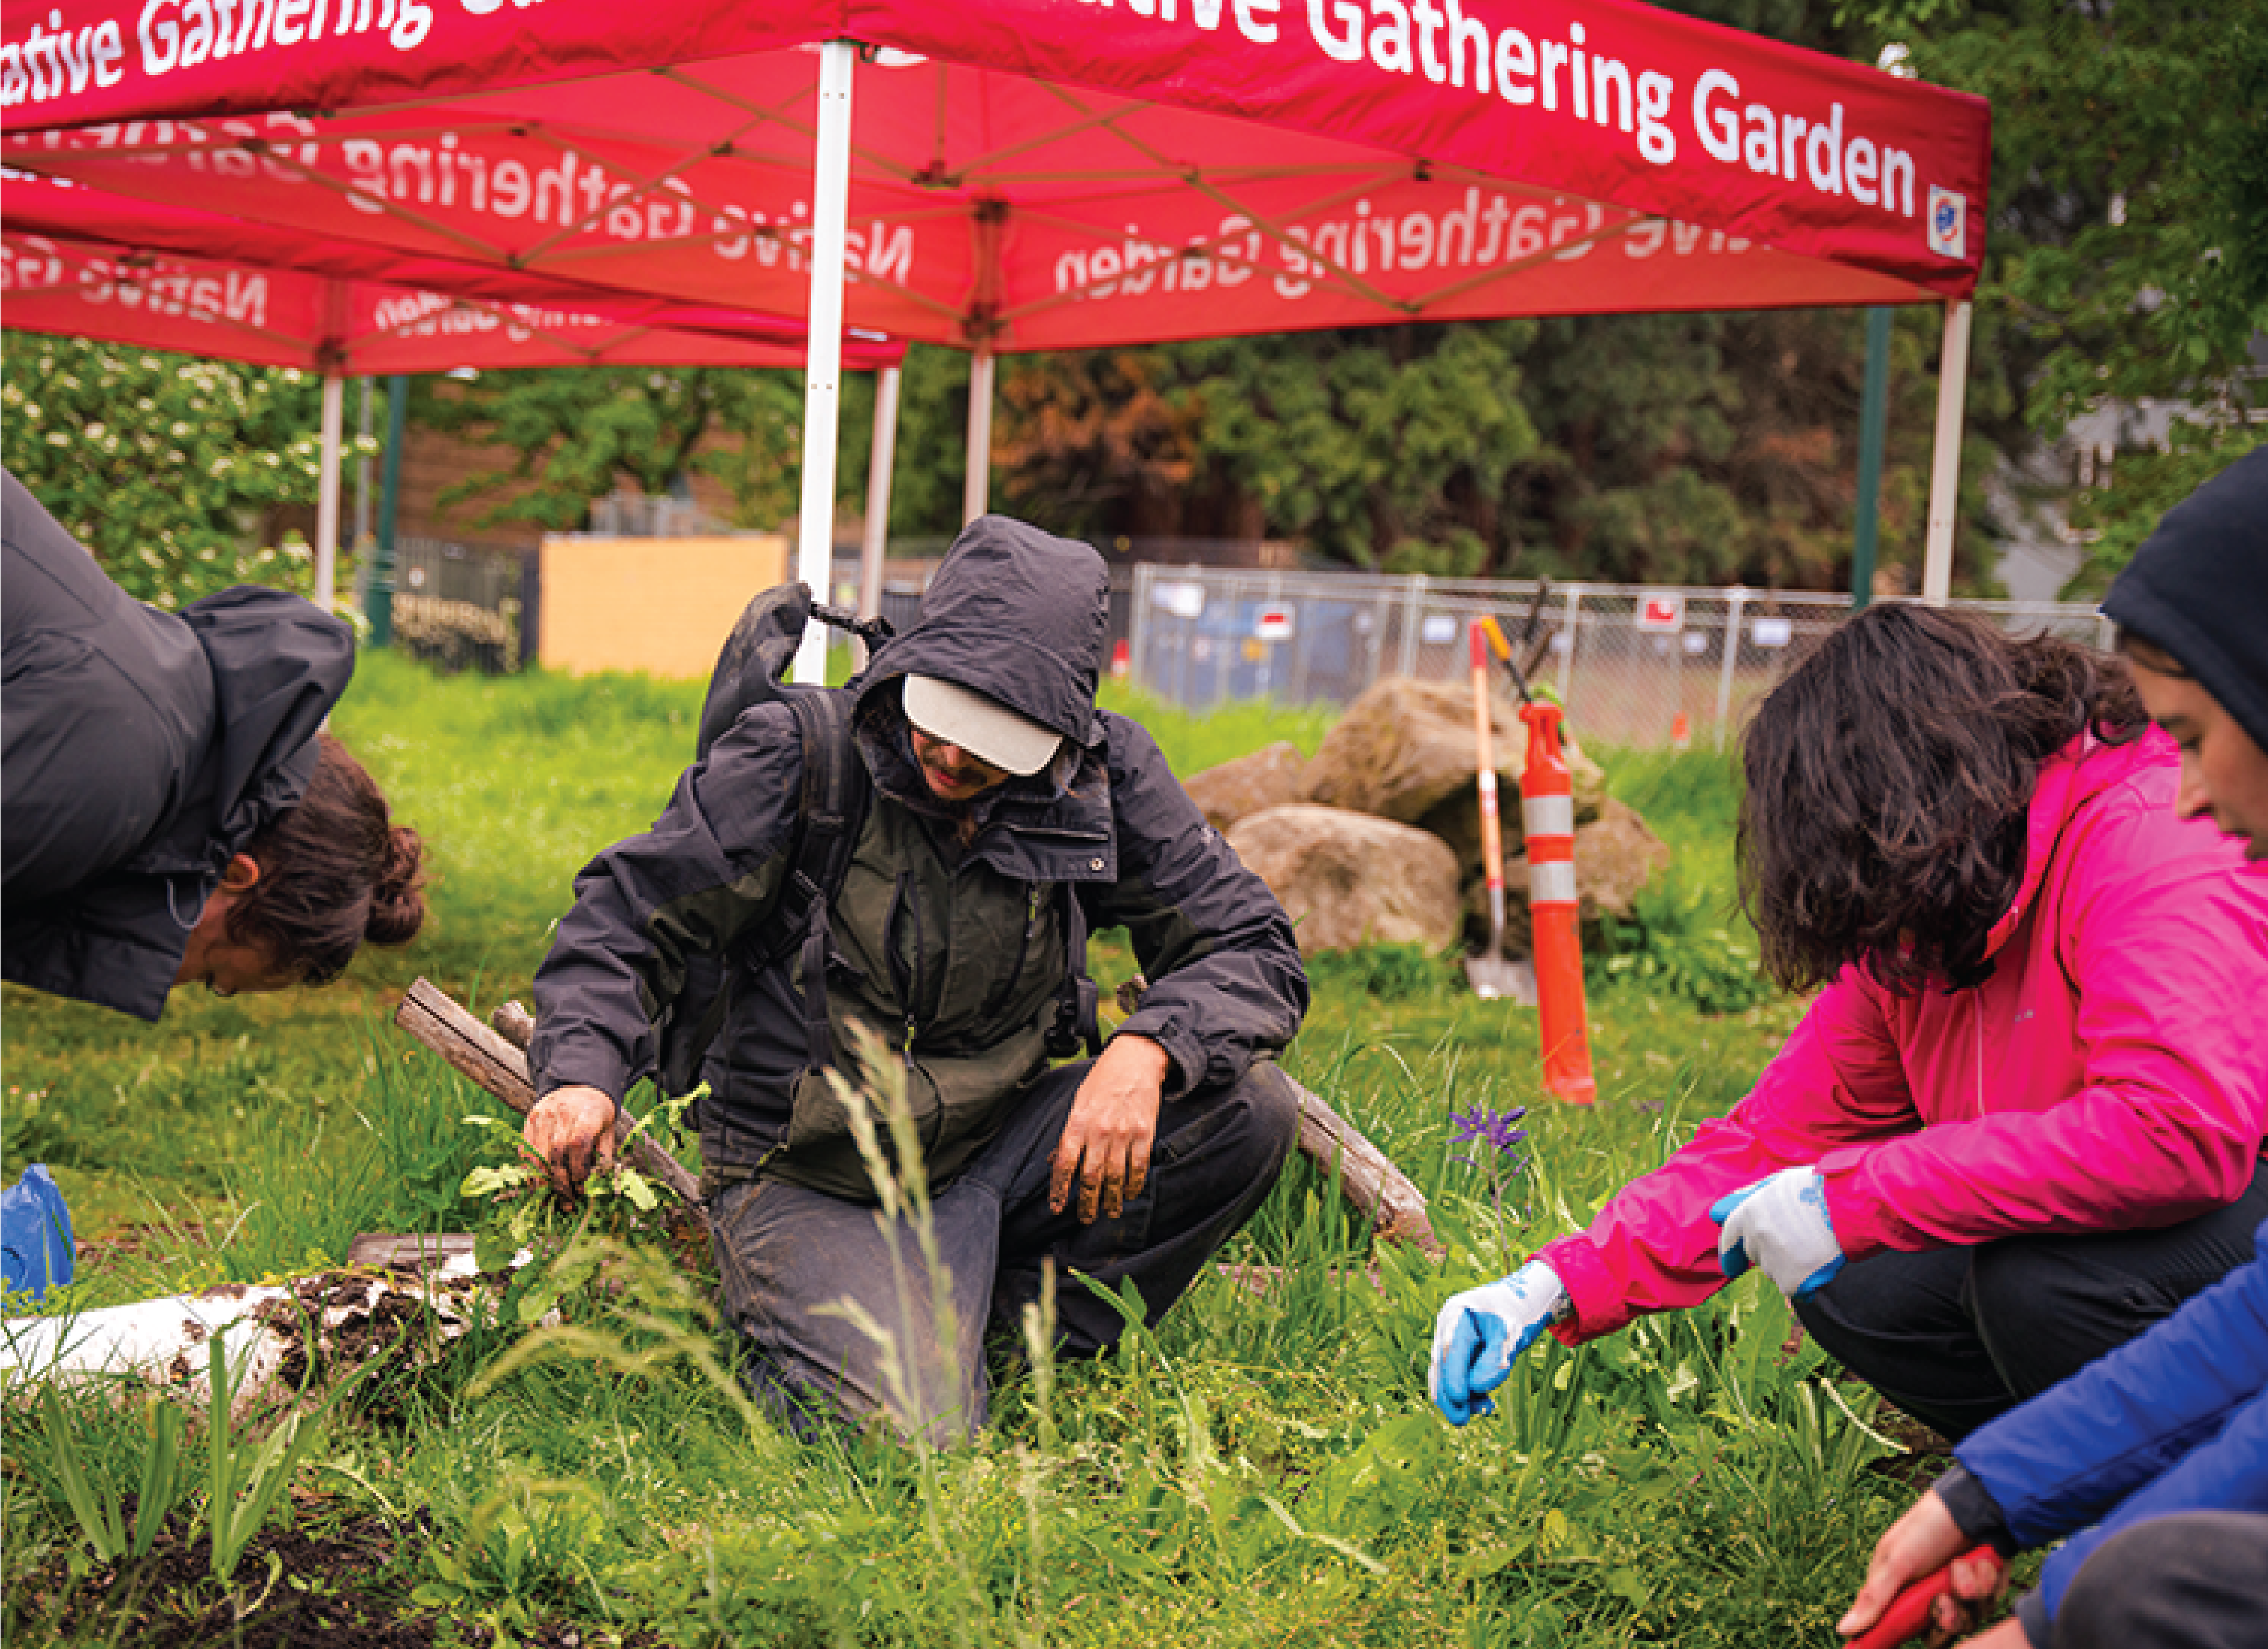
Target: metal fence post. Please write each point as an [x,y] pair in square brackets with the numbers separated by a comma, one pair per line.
[1382,610]
[1137,624]
[1413,609]
[1737,599]
[1567,658]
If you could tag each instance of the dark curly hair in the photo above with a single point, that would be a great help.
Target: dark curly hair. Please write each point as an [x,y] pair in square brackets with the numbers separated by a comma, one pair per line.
[1889,780]
[333,873]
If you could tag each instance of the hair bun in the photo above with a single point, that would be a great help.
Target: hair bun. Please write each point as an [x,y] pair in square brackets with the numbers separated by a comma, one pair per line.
[397,903]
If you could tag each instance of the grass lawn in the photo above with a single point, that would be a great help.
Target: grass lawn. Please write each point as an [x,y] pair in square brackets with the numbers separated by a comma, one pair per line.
[1262,1470]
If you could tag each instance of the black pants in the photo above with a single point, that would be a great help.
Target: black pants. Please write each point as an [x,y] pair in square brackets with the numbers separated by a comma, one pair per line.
[843,1317]
[2194,1580]
[1957,1337]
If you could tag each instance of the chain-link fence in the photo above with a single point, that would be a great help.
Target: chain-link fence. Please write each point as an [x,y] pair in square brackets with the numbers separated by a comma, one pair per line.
[460,607]
[1634,665]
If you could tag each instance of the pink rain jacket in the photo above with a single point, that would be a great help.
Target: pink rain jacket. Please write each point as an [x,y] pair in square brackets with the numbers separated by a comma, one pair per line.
[2111,1073]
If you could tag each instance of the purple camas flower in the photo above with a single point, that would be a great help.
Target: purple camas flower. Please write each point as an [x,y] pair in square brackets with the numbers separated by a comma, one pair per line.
[1492,1128]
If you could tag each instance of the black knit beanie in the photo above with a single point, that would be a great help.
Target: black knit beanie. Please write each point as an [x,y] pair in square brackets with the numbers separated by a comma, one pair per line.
[2197,589]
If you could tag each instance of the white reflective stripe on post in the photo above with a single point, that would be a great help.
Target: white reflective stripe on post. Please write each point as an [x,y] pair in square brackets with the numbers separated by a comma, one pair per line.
[822,395]
[976,476]
[326,496]
[1551,883]
[1945,462]
[1547,816]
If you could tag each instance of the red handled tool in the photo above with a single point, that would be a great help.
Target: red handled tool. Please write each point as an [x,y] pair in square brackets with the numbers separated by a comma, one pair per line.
[1908,1615]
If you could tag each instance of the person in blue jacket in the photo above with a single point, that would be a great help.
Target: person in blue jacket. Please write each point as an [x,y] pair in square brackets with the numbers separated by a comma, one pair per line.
[2152,1461]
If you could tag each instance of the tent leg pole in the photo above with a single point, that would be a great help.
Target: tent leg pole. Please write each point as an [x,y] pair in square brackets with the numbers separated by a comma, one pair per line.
[1945,465]
[884,454]
[831,198]
[977,483]
[326,496]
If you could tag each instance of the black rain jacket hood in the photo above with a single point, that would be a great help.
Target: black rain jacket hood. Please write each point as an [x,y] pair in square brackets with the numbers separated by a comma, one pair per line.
[143,749]
[1017,614]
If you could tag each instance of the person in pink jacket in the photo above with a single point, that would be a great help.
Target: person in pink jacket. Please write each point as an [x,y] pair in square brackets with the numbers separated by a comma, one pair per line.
[2023,1119]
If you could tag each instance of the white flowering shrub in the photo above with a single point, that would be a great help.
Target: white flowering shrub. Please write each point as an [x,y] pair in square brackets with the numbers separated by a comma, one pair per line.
[162,464]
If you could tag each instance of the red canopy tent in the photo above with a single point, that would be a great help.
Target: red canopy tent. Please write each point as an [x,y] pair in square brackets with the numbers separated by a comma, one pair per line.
[80,262]
[279,316]
[1045,174]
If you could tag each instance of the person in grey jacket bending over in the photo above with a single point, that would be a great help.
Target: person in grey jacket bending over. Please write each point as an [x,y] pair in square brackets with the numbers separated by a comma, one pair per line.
[1000,814]
[171,811]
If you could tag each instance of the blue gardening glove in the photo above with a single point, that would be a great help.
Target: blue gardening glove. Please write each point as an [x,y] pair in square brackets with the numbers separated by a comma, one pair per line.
[1481,1330]
[1780,1224]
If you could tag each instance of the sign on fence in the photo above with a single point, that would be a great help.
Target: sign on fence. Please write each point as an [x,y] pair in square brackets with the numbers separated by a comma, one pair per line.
[1181,600]
[1274,624]
[1661,609]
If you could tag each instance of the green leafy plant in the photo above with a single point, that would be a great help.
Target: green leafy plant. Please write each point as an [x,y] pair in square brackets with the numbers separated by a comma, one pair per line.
[161,1483]
[245,1480]
[1670,941]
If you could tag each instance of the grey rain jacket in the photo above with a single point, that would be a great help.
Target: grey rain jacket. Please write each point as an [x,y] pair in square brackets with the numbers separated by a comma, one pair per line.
[952,954]
[141,750]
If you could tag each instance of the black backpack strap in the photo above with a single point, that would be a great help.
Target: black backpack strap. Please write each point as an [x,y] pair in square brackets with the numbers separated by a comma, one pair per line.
[1077,1022]
[834,794]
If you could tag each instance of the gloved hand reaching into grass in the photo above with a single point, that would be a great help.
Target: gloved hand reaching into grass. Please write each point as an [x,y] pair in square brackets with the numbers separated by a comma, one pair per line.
[1480,1331]
[1780,1224]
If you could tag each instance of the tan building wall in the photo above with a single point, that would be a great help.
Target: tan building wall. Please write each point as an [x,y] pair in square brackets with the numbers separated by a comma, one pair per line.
[660,606]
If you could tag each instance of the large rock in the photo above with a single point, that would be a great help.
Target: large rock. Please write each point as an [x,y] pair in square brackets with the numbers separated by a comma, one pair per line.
[1404,751]
[1348,879]
[1253,783]
[1616,855]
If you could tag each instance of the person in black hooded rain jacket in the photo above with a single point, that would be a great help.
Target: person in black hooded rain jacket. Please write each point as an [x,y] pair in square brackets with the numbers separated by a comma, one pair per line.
[1005,808]
[171,812]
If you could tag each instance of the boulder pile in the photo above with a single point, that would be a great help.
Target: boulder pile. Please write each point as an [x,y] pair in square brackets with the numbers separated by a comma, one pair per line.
[1377,839]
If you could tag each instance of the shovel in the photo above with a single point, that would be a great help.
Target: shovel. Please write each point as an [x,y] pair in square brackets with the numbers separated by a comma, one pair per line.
[1491,974]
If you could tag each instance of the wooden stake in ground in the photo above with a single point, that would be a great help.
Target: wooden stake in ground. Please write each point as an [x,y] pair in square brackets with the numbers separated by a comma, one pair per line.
[495,1066]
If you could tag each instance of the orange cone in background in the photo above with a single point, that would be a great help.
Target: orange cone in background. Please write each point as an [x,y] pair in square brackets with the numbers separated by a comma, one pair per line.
[1121,660]
[1547,815]
[1680,733]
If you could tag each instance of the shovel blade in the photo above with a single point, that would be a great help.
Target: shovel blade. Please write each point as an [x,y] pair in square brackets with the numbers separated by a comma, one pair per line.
[1496,979]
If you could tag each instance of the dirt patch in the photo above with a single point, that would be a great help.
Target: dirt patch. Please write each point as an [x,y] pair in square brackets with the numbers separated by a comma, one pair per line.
[336,1584]
[331,1587]
[1926,1454]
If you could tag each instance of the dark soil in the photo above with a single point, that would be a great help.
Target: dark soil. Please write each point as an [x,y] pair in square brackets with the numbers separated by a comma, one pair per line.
[1926,1454]
[338,1586]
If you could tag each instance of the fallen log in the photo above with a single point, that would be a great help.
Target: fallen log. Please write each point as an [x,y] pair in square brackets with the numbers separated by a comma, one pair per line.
[493,1064]
[1366,1175]
[491,1056]
[277,1337]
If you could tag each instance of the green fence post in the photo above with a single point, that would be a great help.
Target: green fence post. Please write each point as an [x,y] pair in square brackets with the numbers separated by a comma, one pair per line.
[381,571]
[1874,413]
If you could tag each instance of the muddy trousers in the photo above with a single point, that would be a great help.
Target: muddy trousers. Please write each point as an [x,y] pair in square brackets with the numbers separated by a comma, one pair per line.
[841,1317]
[1959,1337]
